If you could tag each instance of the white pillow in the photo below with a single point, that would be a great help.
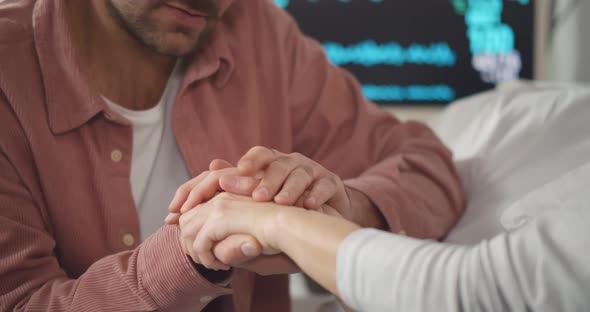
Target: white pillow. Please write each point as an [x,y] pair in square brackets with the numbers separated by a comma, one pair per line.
[509,142]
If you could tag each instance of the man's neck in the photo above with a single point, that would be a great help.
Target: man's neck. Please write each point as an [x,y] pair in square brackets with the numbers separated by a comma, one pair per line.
[117,65]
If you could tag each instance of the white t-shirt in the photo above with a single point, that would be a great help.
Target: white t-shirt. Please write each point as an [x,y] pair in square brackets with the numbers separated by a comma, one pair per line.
[157,166]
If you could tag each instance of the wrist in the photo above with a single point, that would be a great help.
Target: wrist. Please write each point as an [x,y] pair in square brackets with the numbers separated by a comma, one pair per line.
[363,211]
[279,222]
[271,228]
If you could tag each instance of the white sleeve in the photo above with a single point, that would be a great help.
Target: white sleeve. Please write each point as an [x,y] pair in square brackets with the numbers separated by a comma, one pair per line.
[544,266]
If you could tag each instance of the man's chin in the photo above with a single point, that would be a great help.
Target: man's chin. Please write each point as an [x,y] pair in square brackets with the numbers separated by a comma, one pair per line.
[173,48]
[180,44]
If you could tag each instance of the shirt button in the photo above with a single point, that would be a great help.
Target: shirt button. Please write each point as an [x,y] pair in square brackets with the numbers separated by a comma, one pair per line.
[116,155]
[206,299]
[128,240]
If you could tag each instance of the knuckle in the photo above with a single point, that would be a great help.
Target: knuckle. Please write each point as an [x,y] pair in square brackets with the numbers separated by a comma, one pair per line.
[202,174]
[282,163]
[274,150]
[258,149]
[184,189]
[206,262]
[192,192]
[214,174]
[186,235]
[297,155]
[284,159]
[199,249]
[221,207]
[339,184]
[224,256]
[191,197]
[182,221]
[223,197]
[334,180]
[308,170]
[300,178]
[225,171]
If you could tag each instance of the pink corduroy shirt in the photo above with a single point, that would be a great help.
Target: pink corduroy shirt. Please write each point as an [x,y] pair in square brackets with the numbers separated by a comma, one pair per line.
[69,230]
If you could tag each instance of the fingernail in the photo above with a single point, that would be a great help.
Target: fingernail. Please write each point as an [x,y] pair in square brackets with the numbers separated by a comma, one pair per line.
[248,250]
[311,201]
[168,217]
[185,208]
[231,180]
[263,191]
[283,195]
[172,204]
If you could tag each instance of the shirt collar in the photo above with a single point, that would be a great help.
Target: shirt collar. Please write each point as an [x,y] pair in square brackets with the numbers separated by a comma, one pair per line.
[215,59]
[71,101]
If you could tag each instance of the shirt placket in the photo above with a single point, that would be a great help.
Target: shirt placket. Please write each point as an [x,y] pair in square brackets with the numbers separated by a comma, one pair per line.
[115,153]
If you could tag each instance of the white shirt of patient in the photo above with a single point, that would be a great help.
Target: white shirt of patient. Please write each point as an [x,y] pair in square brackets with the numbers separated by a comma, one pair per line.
[524,242]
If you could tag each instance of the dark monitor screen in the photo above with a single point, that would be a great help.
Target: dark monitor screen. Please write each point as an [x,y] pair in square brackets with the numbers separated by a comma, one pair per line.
[422,51]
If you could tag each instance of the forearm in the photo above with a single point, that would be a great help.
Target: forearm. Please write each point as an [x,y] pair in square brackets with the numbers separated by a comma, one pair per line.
[418,201]
[312,239]
[540,267]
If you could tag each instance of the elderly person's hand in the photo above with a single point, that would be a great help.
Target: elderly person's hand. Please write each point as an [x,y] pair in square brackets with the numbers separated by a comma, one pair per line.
[266,175]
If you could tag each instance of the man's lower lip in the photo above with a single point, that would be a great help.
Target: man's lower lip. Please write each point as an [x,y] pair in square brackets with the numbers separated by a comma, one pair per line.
[183,16]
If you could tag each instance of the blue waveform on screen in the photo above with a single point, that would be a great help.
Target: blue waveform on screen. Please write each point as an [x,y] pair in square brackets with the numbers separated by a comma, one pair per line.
[422,93]
[369,53]
[282,3]
[492,42]
[485,30]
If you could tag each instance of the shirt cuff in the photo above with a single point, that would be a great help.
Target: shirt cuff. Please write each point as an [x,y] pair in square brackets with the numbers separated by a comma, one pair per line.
[347,265]
[379,271]
[168,275]
[360,264]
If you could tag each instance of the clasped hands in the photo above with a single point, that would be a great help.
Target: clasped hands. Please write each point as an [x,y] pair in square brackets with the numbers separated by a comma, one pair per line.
[226,214]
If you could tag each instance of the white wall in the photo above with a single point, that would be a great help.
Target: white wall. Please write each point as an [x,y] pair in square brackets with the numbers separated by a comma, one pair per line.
[564,54]
[419,113]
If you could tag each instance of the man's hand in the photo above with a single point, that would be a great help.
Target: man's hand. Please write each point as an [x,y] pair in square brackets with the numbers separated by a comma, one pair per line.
[289,178]
[295,180]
